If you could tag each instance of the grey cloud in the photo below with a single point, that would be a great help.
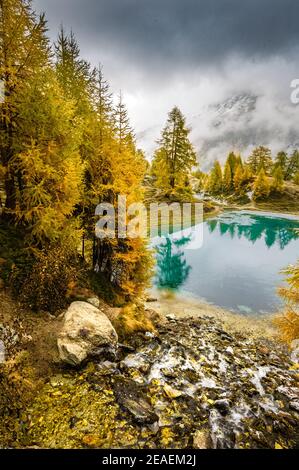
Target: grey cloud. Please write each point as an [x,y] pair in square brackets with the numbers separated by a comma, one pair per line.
[181,31]
[195,54]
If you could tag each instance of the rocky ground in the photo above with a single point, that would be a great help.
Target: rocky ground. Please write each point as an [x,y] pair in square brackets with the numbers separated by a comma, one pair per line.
[193,384]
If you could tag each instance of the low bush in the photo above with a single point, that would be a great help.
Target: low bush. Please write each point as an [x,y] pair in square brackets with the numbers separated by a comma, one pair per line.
[288,322]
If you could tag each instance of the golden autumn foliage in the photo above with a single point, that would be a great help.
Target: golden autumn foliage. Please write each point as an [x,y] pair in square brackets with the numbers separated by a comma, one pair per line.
[64,149]
[131,320]
[288,322]
[48,159]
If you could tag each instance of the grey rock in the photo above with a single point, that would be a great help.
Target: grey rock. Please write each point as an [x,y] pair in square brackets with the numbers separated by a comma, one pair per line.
[133,398]
[292,393]
[294,405]
[85,331]
[200,439]
[223,406]
[94,301]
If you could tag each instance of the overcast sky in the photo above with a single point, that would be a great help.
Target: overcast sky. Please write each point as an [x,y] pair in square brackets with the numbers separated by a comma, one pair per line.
[191,53]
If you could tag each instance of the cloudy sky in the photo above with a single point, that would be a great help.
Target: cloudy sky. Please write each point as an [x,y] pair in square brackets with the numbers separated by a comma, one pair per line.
[194,54]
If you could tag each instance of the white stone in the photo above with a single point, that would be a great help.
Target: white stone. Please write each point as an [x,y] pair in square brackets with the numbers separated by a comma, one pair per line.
[85,329]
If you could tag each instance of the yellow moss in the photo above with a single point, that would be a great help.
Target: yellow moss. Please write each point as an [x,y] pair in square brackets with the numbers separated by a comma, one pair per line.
[167,437]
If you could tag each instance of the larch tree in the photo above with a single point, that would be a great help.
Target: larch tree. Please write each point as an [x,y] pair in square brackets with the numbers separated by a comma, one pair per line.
[175,157]
[122,127]
[78,82]
[215,182]
[232,161]
[278,181]
[73,72]
[227,178]
[292,165]
[239,180]
[98,154]
[24,51]
[123,260]
[281,162]
[261,186]
[48,159]
[260,159]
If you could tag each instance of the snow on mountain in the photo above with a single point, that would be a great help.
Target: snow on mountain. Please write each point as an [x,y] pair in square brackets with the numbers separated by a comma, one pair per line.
[240,123]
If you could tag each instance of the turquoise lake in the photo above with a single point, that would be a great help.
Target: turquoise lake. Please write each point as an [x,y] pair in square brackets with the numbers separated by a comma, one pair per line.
[237,267]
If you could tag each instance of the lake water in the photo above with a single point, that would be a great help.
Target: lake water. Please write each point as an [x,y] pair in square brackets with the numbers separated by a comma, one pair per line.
[239,264]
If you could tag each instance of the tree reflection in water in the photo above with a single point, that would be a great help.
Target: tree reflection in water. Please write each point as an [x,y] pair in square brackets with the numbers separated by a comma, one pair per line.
[172,267]
[273,232]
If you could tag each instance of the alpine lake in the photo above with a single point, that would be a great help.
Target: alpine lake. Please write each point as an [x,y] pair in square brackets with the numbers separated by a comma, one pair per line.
[233,260]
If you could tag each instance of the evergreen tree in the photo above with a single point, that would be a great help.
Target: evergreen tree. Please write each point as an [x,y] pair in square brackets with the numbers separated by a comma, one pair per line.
[292,165]
[247,177]
[277,185]
[215,184]
[103,104]
[123,130]
[260,159]
[124,262]
[49,161]
[239,180]
[296,178]
[74,73]
[281,162]
[261,186]
[175,157]
[239,161]
[24,51]
[232,161]
[227,178]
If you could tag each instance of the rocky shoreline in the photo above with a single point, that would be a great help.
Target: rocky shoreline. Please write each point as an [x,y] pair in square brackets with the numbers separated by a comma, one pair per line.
[192,384]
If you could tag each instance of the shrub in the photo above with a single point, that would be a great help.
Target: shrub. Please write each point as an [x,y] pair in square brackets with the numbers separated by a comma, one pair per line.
[288,322]
[132,319]
[53,274]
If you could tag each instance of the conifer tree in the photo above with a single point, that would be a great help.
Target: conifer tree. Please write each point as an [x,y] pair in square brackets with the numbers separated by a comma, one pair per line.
[123,130]
[278,184]
[103,104]
[215,184]
[124,262]
[175,157]
[260,159]
[261,186]
[247,176]
[24,51]
[227,178]
[281,162]
[232,161]
[73,72]
[292,165]
[48,159]
[239,180]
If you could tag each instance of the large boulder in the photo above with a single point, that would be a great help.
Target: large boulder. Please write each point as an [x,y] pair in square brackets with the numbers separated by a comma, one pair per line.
[86,331]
